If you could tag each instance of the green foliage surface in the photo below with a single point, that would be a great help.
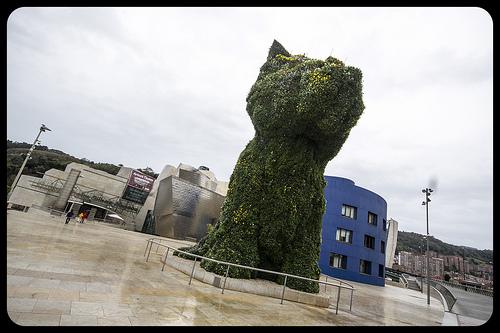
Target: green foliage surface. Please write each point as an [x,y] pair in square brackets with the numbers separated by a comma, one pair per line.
[302,110]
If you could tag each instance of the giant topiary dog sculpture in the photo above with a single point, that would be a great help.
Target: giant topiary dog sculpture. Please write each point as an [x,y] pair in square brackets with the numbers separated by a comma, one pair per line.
[302,110]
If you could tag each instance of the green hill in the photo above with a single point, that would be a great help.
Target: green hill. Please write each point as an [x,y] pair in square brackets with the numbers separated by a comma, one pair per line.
[410,242]
[43,159]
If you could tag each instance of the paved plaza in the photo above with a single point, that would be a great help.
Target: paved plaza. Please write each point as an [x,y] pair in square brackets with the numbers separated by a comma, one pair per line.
[96,275]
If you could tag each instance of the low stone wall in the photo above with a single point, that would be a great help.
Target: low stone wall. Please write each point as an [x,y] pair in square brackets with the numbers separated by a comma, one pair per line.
[447,295]
[252,286]
[443,296]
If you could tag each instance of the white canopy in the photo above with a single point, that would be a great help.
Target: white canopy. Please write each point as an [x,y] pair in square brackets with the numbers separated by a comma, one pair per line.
[116,216]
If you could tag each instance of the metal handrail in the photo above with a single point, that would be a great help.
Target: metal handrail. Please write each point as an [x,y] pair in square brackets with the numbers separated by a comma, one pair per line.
[419,284]
[151,241]
[405,281]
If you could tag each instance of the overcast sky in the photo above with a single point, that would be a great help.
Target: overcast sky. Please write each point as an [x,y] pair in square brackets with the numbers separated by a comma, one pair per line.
[156,86]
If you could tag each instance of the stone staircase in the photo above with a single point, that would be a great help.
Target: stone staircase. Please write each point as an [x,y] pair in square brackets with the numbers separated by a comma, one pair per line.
[412,284]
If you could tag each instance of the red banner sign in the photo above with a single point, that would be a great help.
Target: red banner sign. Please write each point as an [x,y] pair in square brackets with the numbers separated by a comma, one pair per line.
[140,181]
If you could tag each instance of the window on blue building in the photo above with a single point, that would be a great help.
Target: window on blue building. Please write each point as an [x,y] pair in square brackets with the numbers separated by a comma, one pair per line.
[384,224]
[349,211]
[372,218]
[370,242]
[338,260]
[344,235]
[365,267]
[382,246]
[381,270]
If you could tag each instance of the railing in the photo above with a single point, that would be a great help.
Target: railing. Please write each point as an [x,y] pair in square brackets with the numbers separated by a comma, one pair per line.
[394,277]
[110,202]
[397,277]
[448,296]
[54,186]
[152,241]
[468,288]
[419,284]
[486,292]
[405,281]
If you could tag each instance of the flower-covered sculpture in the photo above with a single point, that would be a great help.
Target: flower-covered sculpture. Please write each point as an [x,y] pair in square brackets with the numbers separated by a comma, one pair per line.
[302,110]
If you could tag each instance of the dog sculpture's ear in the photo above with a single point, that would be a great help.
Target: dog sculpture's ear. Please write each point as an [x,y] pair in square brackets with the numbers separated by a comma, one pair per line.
[272,64]
[276,49]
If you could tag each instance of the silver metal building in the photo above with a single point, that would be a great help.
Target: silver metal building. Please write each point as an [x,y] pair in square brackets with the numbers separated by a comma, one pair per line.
[186,204]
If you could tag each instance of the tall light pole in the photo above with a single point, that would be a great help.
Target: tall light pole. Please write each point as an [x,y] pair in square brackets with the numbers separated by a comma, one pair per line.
[427,192]
[421,269]
[43,128]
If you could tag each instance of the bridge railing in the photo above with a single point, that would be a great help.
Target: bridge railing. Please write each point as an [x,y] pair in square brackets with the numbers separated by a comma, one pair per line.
[469,288]
[486,292]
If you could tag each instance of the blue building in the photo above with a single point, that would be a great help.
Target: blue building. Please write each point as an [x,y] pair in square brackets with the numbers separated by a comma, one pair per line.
[354,233]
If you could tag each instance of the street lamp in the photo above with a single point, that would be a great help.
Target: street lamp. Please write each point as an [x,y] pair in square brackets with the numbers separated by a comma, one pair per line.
[427,192]
[421,268]
[43,128]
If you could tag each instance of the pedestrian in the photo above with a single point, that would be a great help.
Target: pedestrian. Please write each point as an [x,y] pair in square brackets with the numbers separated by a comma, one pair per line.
[80,217]
[85,216]
[69,215]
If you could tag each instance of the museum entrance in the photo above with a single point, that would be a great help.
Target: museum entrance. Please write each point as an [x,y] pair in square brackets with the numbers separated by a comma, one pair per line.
[95,212]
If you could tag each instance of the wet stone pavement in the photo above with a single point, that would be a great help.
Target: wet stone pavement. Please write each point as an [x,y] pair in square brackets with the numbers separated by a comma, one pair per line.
[96,275]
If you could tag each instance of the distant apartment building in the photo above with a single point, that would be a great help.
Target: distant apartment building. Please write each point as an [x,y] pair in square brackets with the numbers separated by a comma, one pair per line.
[485,271]
[436,267]
[456,263]
[417,264]
[406,261]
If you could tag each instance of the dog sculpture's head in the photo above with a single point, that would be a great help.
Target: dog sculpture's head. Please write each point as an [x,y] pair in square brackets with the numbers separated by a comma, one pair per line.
[313,100]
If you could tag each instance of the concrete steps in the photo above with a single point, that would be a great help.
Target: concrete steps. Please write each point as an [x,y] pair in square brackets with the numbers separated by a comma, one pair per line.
[412,284]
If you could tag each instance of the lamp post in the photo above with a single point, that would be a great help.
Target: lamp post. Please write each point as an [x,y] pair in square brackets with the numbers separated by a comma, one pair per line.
[427,192]
[43,128]
[421,269]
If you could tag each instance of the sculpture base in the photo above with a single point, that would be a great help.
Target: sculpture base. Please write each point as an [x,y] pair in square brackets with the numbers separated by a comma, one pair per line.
[252,286]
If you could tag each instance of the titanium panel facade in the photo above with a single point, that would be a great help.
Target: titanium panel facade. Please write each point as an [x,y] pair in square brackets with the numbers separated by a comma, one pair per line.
[197,178]
[183,209]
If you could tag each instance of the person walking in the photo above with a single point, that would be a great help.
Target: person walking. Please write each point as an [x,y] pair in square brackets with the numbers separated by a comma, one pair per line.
[85,215]
[69,215]
[80,217]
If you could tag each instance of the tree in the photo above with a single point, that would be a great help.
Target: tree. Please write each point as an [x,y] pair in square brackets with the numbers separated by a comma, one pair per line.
[148,171]
[43,159]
